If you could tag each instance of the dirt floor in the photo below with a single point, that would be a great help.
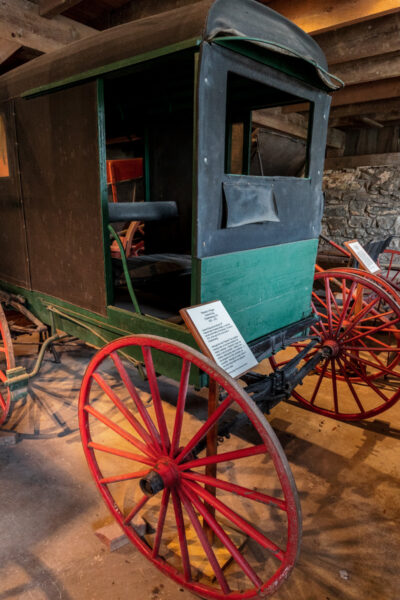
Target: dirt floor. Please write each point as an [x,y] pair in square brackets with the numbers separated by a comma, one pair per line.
[347,475]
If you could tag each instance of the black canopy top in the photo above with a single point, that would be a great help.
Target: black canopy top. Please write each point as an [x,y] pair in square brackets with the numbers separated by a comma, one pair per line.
[202,21]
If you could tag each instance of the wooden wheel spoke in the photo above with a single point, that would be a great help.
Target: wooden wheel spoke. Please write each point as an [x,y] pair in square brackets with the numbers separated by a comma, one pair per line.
[182,535]
[223,457]
[180,406]
[315,330]
[378,315]
[370,351]
[121,453]
[155,394]
[365,379]
[337,307]
[237,520]
[236,489]
[161,521]
[205,543]
[380,366]
[318,385]
[124,477]
[320,323]
[144,499]
[202,432]
[354,393]
[125,411]
[121,432]
[346,303]
[334,386]
[374,330]
[147,420]
[328,306]
[319,299]
[224,538]
[382,348]
[359,316]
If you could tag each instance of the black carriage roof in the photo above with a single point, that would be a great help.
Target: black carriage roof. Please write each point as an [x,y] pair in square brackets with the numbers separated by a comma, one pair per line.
[164,33]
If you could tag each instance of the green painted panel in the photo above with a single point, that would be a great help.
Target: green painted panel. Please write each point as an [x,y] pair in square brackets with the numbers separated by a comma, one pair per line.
[262,289]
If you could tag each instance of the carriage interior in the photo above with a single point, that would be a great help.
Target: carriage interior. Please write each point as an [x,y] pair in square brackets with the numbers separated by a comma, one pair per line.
[149,130]
[149,152]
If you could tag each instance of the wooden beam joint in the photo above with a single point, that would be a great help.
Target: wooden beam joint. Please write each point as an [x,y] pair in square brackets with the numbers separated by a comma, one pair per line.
[51,8]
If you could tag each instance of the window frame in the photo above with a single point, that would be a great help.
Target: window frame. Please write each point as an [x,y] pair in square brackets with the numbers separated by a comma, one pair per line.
[211,237]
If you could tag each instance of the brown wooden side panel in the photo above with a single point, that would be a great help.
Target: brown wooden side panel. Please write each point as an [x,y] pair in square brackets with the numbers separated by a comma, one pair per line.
[13,253]
[59,159]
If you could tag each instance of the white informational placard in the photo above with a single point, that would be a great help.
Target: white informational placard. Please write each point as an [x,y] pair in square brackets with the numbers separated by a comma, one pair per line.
[222,338]
[363,257]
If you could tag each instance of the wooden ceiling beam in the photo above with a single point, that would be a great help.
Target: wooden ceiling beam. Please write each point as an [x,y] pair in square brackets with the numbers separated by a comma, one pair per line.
[356,94]
[386,119]
[51,8]
[370,38]
[21,23]
[8,49]
[374,68]
[379,107]
[367,92]
[365,160]
[316,16]
[295,125]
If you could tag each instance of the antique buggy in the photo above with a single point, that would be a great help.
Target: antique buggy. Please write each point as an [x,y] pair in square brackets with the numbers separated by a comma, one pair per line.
[178,92]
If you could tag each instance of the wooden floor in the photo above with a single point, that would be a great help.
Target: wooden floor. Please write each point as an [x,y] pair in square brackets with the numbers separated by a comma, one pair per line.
[348,477]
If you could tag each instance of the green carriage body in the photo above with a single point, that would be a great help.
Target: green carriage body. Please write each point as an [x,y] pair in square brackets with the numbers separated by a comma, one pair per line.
[185,78]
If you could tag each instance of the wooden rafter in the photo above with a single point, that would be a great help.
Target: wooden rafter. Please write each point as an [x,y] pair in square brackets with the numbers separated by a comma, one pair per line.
[294,124]
[51,8]
[373,109]
[374,68]
[315,16]
[367,92]
[370,38]
[7,49]
[357,94]
[21,23]
[365,160]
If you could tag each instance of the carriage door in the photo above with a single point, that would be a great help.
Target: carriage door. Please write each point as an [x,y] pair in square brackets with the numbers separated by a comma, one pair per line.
[59,161]
[13,255]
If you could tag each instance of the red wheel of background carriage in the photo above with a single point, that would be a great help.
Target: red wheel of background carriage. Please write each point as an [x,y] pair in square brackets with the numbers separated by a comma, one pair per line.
[359,320]
[7,361]
[146,461]
[388,272]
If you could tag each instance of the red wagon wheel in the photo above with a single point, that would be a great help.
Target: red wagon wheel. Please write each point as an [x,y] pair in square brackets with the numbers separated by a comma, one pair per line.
[359,320]
[390,268]
[241,525]
[7,361]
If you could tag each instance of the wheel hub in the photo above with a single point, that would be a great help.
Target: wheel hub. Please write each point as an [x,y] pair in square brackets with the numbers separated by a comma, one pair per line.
[334,347]
[165,474]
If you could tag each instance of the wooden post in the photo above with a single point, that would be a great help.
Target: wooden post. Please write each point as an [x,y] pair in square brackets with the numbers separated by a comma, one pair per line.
[212,449]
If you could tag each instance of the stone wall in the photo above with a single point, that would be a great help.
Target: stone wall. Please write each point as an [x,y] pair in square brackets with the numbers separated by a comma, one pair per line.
[362,203]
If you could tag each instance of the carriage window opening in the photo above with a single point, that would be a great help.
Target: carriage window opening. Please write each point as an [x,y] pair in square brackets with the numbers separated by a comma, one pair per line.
[4,168]
[267,130]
